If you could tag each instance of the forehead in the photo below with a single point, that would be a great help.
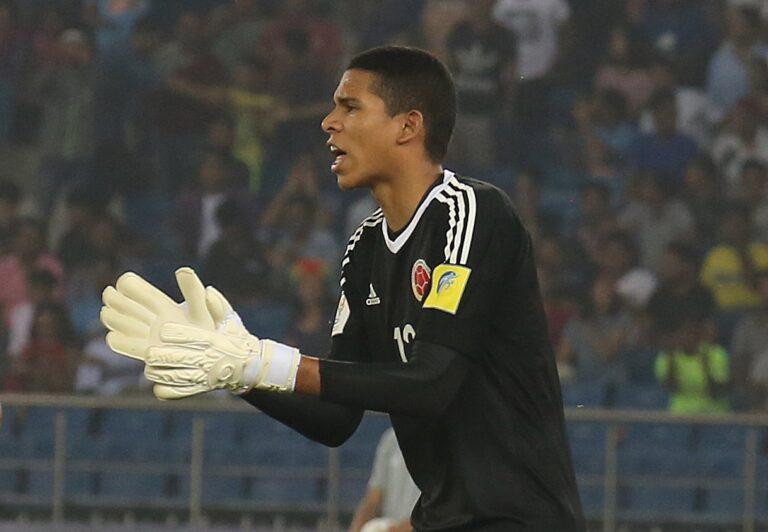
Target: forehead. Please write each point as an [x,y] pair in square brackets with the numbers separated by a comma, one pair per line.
[355,83]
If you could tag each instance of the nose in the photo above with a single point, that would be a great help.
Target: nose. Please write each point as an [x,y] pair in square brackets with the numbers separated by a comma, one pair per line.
[330,123]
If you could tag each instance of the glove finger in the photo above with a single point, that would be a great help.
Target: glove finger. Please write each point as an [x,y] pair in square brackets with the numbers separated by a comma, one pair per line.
[194,296]
[136,288]
[217,305]
[128,346]
[114,321]
[173,357]
[124,305]
[166,393]
[175,377]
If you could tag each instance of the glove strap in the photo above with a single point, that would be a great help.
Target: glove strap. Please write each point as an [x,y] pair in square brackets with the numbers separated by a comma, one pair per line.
[273,369]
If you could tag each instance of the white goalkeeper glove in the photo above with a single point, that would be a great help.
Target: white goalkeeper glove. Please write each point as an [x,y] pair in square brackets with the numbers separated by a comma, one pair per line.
[193,347]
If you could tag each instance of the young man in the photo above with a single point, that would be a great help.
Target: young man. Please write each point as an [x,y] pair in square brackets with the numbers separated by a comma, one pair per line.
[439,324]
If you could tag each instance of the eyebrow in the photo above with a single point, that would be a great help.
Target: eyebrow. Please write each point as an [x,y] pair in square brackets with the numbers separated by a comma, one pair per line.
[345,100]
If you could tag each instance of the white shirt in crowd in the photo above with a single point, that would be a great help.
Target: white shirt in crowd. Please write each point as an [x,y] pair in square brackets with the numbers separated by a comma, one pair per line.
[391,477]
[536,24]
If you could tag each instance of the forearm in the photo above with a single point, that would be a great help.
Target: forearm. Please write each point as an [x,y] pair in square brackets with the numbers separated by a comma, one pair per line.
[322,421]
[422,387]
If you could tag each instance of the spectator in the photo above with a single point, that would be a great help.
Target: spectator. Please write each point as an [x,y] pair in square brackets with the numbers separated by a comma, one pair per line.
[754,184]
[656,219]
[52,346]
[742,140]
[728,76]
[391,493]
[11,58]
[730,269]
[680,31]
[695,372]
[10,198]
[238,30]
[294,226]
[748,349]
[42,285]
[313,310]
[596,220]
[666,150]
[593,342]
[182,120]
[222,135]
[625,69]
[66,90]
[235,263]
[99,371]
[324,46]
[703,195]
[75,248]
[482,57]
[113,22]
[692,104]
[27,254]
[538,27]
[680,290]
[45,38]
[254,115]
[195,214]
[307,103]
[127,79]
[619,262]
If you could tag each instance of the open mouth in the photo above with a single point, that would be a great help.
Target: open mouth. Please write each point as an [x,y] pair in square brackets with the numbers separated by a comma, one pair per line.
[339,154]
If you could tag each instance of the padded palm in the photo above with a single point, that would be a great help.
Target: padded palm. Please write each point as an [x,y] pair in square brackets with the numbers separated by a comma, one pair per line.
[136,313]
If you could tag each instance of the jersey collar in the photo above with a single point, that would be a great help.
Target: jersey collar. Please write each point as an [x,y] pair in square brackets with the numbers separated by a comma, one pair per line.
[395,245]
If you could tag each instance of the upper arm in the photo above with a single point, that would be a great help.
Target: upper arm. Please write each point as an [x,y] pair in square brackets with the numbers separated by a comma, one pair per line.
[482,260]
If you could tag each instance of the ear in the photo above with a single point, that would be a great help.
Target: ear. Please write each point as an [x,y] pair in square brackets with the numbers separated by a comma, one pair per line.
[412,127]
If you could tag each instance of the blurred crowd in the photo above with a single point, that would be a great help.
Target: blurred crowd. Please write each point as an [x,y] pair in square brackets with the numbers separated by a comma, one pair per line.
[632,136]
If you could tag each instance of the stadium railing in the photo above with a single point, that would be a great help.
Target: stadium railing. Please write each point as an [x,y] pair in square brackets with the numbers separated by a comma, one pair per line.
[632,466]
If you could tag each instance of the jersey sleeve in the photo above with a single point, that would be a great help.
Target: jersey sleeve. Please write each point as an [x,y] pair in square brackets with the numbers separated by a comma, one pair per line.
[348,337]
[486,259]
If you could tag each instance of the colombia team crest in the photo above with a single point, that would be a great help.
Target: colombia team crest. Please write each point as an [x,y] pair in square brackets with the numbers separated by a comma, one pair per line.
[421,275]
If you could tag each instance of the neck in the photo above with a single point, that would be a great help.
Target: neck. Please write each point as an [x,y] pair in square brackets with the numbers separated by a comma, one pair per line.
[399,197]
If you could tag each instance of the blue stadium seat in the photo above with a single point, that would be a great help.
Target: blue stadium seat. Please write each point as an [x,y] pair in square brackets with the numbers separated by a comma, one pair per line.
[587,394]
[724,504]
[630,396]
[222,489]
[726,464]
[588,461]
[587,433]
[7,481]
[661,435]
[721,438]
[82,483]
[591,500]
[661,500]
[761,506]
[659,462]
[41,486]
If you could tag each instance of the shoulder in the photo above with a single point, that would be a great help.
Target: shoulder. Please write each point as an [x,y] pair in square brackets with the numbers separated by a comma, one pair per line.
[360,240]
[474,213]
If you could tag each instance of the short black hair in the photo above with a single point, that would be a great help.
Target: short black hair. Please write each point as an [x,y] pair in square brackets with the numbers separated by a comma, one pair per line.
[409,78]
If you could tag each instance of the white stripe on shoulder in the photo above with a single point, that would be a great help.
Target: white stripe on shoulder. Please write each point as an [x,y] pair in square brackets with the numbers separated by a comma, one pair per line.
[471,214]
[452,221]
[372,221]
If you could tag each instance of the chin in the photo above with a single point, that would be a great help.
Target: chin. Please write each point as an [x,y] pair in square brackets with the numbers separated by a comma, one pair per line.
[351,181]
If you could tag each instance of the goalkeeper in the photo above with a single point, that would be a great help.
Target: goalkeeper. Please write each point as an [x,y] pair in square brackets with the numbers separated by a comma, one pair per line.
[439,323]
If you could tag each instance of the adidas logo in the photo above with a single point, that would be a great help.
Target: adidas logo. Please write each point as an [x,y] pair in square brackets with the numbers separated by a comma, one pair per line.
[373,299]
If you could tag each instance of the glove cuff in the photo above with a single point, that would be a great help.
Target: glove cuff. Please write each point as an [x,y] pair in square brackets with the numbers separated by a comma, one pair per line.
[281,364]
[273,369]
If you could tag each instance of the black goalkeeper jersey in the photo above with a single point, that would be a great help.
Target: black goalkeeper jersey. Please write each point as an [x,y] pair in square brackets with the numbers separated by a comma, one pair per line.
[461,274]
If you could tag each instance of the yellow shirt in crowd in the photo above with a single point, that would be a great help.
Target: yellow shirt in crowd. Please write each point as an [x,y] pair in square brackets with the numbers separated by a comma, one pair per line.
[723,274]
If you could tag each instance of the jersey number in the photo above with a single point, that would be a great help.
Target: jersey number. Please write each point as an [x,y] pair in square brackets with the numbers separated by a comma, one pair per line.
[404,336]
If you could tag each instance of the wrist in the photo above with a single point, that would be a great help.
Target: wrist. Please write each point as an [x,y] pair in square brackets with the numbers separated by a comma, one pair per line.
[273,368]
